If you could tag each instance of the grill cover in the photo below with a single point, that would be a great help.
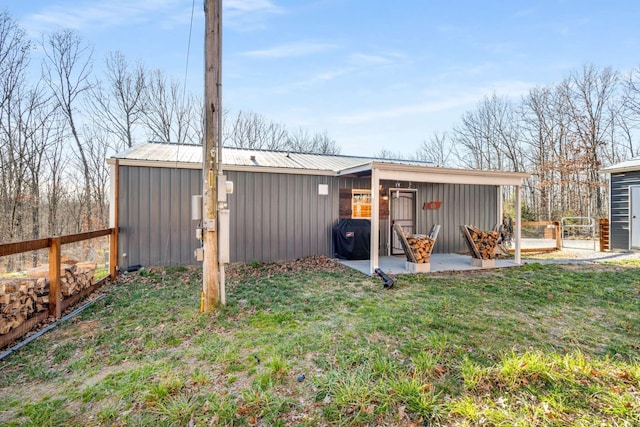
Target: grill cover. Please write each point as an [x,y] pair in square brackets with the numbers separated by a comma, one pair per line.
[352,238]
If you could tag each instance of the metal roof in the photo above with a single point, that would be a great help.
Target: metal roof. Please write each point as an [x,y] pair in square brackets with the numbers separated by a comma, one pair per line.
[626,166]
[166,153]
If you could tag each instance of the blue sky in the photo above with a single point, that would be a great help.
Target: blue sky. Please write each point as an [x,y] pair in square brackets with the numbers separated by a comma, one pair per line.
[373,74]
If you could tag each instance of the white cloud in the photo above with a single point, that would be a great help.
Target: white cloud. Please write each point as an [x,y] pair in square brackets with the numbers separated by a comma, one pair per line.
[443,103]
[361,58]
[248,15]
[249,6]
[321,77]
[290,50]
[358,62]
[115,13]
[522,13]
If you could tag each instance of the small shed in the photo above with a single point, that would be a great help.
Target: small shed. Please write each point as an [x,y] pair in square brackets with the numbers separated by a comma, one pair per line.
[285,205]
[624,205]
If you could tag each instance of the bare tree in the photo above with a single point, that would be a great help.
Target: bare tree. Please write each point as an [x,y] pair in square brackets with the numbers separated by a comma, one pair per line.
[98,148]
[14,58]
[323,144]
[590,94]
[488,137]
[24,130]
[302,141]
[56,190]
[169,114]
[545,121]
[251,130]
[389,155]
[437,150]
[38,124]
[631,94]
[117,106]
[629,117]
[66,69]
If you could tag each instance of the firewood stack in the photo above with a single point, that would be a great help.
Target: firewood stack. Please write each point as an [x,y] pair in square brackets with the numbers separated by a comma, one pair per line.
[20,299]
[421,247]
[76,278]
[417,247]
[482,244]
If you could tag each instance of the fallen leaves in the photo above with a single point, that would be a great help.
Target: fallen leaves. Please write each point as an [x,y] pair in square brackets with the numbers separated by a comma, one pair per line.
[262,270]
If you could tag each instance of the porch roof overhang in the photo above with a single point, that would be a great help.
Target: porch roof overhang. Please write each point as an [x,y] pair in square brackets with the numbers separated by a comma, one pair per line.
[396,172]
[399,172]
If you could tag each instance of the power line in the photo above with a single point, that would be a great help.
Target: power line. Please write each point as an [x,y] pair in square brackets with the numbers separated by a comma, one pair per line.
[186,68]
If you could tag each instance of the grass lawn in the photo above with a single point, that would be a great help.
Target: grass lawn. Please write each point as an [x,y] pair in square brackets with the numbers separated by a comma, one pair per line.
[311,343]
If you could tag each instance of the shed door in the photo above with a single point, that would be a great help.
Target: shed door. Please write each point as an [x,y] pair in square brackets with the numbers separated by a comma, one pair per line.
[402,210]
[635,216]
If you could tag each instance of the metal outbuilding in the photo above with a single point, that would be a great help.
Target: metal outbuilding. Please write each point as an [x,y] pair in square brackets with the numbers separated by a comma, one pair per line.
[284,204]
[624,204]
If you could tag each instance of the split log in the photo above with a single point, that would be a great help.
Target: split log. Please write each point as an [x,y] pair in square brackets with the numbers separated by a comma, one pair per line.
[417,247]
[18,301]
[482,244]
[421,246]
[21,299]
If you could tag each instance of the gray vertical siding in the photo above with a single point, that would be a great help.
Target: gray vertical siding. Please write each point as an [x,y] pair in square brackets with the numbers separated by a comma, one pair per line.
[280,216]
[461,204]
[155,216]
[273,216]
[619,216]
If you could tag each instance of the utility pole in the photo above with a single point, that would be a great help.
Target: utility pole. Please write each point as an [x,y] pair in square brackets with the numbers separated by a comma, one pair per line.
[212,152]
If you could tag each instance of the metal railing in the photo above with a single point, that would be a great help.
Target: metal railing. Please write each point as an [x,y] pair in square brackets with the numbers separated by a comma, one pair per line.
[583,226]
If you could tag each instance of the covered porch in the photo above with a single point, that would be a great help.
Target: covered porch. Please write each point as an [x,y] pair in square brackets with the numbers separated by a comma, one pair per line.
[439,263]
[447,191]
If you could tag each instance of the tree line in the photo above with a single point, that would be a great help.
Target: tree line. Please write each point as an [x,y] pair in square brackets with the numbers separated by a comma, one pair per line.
[60,119]
[563,134]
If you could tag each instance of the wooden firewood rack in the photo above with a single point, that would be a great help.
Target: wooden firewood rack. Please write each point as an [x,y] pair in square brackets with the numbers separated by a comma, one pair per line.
[409,243]
[480,243]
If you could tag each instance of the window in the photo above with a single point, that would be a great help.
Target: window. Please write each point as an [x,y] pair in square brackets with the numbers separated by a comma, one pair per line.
[361,204]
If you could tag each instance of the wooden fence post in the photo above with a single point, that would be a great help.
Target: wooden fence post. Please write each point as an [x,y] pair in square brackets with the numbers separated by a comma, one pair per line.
[113,253]
[55,295]
[558,235]
[604,234]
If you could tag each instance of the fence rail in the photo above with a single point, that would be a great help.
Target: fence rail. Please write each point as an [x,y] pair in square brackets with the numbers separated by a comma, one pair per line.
[554,233]
[56,302]
[34,245]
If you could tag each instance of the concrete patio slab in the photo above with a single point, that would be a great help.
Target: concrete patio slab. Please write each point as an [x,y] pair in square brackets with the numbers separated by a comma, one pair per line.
[439,263]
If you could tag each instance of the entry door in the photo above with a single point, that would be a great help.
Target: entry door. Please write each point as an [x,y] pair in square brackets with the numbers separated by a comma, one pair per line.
[635,216]
[402,210]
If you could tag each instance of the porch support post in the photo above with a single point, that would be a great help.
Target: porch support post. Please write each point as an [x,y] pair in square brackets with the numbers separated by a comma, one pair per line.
[500,204]
[375,220]
[518,230]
